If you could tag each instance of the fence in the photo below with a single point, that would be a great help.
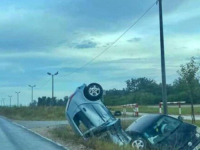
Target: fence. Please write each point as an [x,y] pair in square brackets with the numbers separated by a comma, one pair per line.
[173,103]
[134,107]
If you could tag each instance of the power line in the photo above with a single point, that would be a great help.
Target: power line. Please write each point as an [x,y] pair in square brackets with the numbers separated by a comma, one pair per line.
[115,40]
[44,84]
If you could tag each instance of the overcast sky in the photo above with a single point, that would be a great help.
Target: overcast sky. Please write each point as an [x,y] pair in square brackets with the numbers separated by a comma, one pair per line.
[40,36]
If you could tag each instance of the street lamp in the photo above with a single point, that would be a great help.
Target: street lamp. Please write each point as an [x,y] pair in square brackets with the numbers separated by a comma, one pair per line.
[32,91]
[2,102]
[17,98]
[10,99]
[52,82]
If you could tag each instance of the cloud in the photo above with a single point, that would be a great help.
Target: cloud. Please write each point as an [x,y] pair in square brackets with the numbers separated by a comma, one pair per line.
[136,39]
[48,36]
[85,44]
[42,25]
[179,48]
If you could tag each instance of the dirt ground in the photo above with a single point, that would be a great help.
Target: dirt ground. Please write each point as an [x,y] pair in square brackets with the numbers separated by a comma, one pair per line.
[70,145]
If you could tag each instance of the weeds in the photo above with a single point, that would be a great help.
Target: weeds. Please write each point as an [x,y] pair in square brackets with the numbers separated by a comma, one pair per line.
[65,133]
[34,113]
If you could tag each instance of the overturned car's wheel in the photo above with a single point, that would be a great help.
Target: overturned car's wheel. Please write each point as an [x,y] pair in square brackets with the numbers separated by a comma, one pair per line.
[93,92]
[138,144]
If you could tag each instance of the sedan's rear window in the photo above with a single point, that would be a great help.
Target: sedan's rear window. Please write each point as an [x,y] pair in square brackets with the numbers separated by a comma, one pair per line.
[161,129]
[142,123]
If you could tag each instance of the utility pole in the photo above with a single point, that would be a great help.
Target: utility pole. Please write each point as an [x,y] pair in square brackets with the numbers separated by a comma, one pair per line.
[32,92]
[17,98]
[10,99]
[3,101]
[52,83]
[164,91]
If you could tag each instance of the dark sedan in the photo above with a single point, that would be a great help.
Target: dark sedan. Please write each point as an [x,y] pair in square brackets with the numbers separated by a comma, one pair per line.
[117,113]
[157,131]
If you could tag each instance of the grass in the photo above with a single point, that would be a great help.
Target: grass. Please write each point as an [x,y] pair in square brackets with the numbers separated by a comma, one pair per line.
[148,109]
[58,113]
[34,113]
[66,134]
[197,122]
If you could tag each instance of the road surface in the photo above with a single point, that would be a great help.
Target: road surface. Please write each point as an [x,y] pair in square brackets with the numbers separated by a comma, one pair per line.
[13,137]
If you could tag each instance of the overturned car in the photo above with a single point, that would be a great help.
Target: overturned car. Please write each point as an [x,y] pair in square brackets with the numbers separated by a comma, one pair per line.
[89,117]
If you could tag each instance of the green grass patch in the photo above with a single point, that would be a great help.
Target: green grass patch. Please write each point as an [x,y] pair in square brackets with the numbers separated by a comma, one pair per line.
[34,113]
[149,109]
[197,122]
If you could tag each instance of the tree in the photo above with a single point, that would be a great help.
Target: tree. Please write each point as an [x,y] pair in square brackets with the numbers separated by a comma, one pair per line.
[48,101]
[54,101]
[66,98]
[143,85]
[188,75]
[33,104]
[42,101]
[60,102]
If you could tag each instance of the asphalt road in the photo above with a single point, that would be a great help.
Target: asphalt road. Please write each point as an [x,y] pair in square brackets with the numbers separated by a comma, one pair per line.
[13,137]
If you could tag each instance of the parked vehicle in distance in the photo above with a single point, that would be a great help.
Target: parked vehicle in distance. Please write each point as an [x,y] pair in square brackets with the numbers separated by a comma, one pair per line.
[117,113]
[89,117]
[156,131]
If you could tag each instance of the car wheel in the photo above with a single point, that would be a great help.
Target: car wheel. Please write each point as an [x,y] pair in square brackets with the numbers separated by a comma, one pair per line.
[93,92]
[138,144]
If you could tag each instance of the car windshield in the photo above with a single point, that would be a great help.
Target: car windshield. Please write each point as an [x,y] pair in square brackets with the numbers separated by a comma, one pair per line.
[161,129]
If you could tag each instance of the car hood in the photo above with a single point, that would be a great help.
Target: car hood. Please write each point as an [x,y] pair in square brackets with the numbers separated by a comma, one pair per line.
[179,138]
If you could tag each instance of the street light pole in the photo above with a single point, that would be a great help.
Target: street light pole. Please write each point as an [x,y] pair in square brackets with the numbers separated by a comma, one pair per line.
[164,91]
[32,92]
[52,82]
[52,87]
[10,99]
[3,101]
[17,98]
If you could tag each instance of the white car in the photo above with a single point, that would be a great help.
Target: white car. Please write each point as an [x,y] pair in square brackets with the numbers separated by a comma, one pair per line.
[88,116]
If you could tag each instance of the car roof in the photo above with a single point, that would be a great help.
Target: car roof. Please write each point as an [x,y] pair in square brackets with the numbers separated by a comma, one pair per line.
[142,123]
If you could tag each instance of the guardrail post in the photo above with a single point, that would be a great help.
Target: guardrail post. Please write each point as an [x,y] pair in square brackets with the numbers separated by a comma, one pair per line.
[136,110]
[160,108]
[179,108]
[124,109]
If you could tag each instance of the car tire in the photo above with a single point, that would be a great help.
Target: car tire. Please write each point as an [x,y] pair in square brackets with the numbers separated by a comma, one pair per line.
[138,144]
[93,91]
